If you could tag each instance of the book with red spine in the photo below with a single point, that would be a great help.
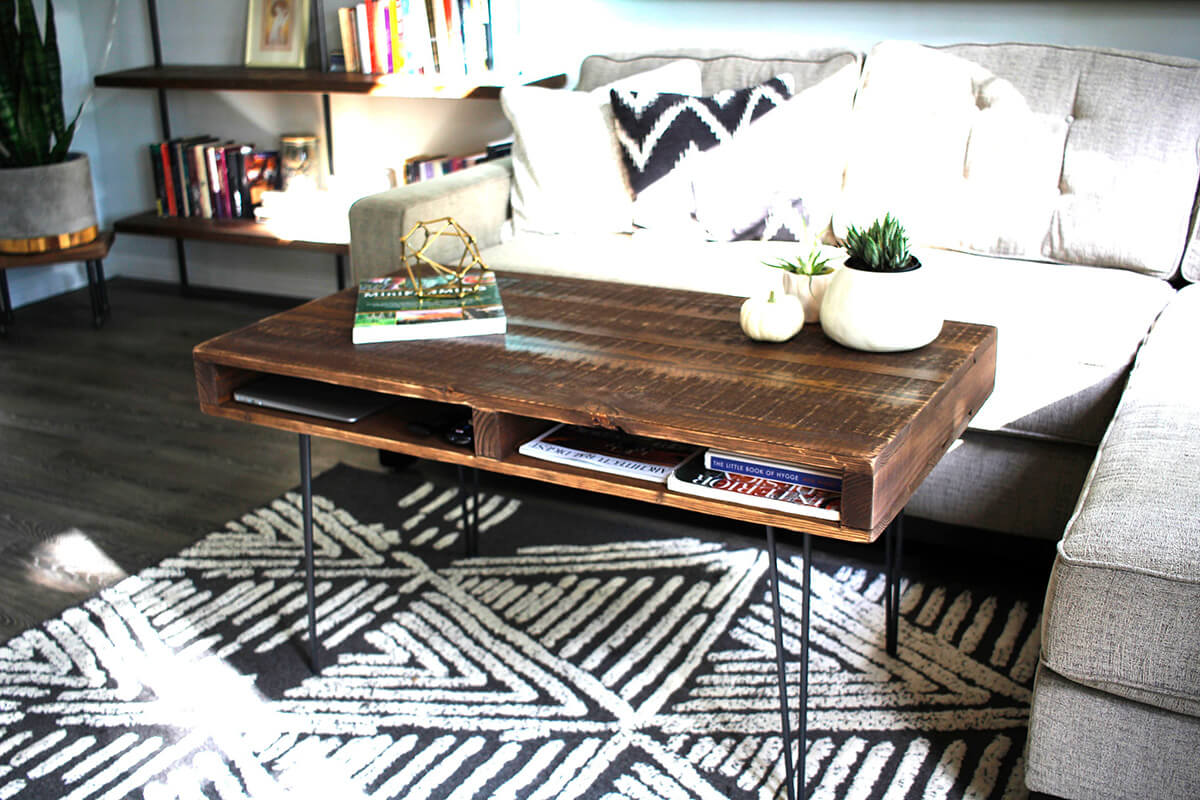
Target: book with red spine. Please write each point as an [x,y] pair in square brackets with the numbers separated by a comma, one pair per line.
[164,150]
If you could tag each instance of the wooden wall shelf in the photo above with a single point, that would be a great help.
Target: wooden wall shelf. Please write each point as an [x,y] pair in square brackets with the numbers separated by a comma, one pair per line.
[232,231]
[256,79]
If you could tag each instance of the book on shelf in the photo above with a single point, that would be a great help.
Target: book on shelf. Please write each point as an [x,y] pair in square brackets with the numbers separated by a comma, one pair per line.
[347,27]
[426,167]
[422,37]
[692,477]
[362,31]
[389,310]
[755,467]
[202,177]
[613,452]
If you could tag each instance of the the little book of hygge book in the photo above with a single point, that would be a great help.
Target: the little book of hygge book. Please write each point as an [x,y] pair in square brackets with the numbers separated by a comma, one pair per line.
[389,310]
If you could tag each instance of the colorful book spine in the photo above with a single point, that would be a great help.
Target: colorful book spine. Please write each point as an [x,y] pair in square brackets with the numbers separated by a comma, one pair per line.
[214,181]
[349,40]
[223,178]
[164,155]
[363,28]
[160,188]
[203,194]
[771,470]
[396,30]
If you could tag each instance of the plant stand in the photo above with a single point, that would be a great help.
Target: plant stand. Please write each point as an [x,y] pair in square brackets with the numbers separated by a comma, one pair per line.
[92,254]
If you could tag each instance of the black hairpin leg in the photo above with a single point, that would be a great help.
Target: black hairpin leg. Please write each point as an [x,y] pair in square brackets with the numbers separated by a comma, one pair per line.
[796,788]
[6,309]
[309,578]
[469,500]
[97,291]
[894,542]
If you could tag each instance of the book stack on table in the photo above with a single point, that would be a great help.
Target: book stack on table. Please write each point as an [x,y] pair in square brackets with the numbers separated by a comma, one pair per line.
[713,474]
[734,478]
[391,309]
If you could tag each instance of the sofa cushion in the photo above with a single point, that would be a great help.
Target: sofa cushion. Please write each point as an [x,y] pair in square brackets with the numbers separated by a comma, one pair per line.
[567,171]
[1124,598]
[1067,335]
[784,169]
[647,258]
[1036,151]
[1090,745]
[802,154]
[661,133]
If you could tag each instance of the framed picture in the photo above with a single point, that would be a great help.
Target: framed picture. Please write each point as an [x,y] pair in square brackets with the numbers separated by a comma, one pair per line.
[277,33]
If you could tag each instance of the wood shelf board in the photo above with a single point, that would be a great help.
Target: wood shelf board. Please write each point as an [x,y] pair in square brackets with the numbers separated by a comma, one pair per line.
[234,231]
[91,251]
[387,431]
[662,363]
[259,79]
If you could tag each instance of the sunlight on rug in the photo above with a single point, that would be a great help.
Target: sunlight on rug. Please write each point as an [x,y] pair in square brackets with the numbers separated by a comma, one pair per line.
[575,657]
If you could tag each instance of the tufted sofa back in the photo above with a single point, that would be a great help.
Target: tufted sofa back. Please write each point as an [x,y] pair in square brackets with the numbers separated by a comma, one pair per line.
[1034,151]
[722,70]
[1030,151]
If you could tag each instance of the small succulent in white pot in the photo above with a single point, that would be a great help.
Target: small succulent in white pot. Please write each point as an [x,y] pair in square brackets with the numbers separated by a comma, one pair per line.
[807,278]
[882,300]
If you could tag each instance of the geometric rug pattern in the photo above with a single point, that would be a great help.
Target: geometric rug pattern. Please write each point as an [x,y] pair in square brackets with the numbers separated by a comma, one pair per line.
[575,657]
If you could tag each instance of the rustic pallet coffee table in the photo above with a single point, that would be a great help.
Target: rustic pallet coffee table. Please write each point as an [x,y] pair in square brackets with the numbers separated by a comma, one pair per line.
[653,362]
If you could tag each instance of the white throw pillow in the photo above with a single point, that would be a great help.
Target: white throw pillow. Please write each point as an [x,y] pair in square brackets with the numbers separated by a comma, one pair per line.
[782,168]
[567,171]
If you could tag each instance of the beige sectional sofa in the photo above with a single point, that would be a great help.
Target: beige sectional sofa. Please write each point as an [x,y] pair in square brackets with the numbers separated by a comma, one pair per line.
[1052,190]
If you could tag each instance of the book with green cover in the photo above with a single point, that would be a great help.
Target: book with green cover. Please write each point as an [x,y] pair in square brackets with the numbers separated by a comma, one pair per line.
[389,310]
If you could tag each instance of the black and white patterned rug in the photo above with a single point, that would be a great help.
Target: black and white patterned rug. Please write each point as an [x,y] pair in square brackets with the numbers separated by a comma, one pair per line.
[585,653]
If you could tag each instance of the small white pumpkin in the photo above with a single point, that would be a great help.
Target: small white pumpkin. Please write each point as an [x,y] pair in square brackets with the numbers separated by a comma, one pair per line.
[774,318]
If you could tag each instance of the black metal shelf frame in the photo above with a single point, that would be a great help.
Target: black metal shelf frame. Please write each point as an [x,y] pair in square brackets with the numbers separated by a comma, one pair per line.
[317,22]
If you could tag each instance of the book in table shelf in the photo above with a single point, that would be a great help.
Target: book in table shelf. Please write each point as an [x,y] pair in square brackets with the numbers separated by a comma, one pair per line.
[692,477]
[754,467]
[389,310]
[613,452]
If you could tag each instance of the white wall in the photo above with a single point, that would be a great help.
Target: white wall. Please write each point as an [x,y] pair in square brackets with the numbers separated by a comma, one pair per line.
[373,133]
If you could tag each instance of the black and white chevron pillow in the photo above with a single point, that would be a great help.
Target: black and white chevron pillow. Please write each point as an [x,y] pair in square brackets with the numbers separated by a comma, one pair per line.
[658,131]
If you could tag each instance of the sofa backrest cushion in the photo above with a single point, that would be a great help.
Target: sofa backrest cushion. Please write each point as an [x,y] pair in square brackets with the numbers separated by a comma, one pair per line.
[1033,151]
[722,70]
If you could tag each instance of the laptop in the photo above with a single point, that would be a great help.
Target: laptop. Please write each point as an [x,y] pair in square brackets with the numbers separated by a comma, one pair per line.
[313,398]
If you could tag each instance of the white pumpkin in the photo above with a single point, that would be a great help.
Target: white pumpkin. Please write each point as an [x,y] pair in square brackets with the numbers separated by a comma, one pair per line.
[774,318]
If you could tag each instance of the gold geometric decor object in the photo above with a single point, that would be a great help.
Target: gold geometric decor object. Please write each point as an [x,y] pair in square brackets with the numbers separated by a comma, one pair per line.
[432,230]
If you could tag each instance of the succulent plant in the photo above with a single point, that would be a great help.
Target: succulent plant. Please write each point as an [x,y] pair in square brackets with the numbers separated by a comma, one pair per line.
[815,263]
[883,247]
[33,128]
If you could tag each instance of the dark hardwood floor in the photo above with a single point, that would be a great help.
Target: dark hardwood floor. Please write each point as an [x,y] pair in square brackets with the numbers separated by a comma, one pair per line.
[106,463]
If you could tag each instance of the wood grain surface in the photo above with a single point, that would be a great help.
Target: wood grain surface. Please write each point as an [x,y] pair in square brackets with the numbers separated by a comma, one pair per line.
[653,362]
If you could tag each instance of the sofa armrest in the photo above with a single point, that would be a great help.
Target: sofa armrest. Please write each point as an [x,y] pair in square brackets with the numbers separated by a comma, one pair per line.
[477,198]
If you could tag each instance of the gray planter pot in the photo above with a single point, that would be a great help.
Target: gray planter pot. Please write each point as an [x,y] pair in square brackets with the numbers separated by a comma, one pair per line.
[46,208]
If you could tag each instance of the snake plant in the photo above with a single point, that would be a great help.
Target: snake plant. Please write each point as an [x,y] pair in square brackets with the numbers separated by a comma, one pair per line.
[33,128]
[883,247]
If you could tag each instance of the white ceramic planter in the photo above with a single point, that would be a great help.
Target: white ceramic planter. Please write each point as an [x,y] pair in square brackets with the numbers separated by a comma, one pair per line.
[810,294]
[881,312]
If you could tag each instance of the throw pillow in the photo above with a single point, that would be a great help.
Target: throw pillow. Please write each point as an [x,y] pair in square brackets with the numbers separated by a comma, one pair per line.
[567,172]
[660,133]
[782,173]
